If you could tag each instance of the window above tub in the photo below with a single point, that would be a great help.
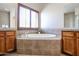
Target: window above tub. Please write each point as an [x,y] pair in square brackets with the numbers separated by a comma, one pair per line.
[27,17]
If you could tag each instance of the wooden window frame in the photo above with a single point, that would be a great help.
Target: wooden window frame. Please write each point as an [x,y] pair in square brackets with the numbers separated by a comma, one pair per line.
[18,10]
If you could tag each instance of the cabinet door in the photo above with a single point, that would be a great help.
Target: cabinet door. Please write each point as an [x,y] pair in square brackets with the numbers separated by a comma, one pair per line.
[10,43]
[78,46]
[2,45]
[68,45]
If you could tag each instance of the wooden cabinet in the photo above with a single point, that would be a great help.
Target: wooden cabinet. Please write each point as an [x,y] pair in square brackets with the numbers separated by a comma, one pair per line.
[68,45]
[10,43]
[77,41]
[2,45]
[7,41]
[78,47]
[70,42]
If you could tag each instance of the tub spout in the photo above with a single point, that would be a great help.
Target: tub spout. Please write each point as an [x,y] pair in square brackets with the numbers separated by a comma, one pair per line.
[39,32]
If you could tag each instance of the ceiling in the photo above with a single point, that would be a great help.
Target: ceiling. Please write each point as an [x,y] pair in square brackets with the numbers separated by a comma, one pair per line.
[68,7]
[36,6]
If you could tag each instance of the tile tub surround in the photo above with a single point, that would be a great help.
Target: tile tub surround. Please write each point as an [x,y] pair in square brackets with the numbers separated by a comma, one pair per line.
[19,32]
[48,31]
[39,47]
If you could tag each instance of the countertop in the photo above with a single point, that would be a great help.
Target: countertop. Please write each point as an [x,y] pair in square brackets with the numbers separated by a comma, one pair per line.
[70,29]
[7,29]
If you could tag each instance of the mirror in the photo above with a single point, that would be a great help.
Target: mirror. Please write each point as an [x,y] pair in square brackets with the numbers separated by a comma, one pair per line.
[71,15]
[4,18]
[69,20]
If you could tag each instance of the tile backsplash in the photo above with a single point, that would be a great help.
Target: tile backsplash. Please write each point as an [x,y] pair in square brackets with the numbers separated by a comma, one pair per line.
[19,32]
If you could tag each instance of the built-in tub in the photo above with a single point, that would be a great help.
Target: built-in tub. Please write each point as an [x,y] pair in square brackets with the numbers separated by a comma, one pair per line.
[37,36]
[38,44]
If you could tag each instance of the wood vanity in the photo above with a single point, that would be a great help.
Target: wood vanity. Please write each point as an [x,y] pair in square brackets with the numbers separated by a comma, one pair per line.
[7,41]
[70,42]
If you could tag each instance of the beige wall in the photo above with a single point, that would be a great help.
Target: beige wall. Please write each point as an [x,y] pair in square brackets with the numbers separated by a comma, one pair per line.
[52,19]
[77,17]
[52,16]
[13,18]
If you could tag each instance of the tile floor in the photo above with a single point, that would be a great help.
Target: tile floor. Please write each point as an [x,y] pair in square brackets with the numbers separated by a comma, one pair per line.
[15,54]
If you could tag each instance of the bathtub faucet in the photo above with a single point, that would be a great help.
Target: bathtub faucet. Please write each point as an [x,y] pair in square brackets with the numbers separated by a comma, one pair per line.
[39,32]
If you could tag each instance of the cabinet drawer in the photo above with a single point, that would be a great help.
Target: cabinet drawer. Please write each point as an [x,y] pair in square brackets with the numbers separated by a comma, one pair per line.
[68,34]
[70,38]
[2,38]
[10,37]
[77,34]
[10,33]
[2,34]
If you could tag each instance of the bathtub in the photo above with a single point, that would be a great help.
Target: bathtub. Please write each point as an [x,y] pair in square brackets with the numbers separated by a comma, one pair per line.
[37,36]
